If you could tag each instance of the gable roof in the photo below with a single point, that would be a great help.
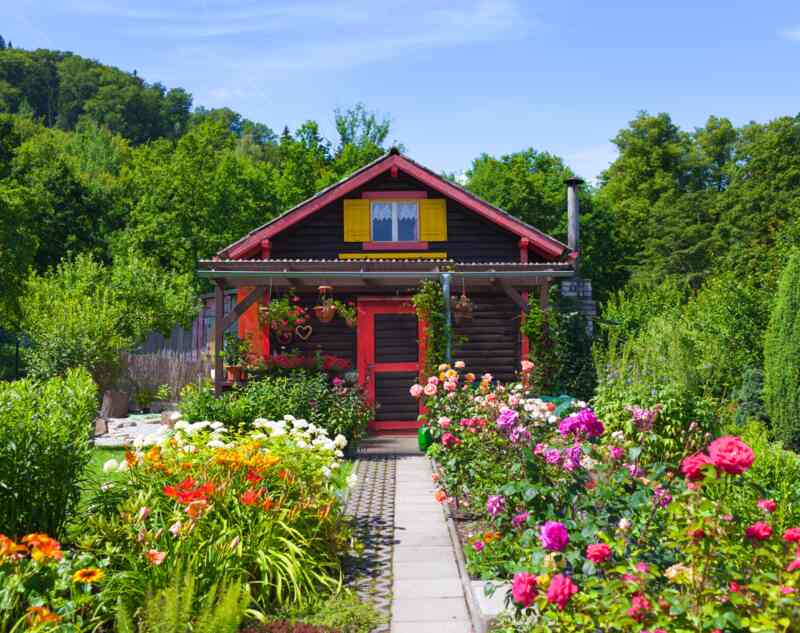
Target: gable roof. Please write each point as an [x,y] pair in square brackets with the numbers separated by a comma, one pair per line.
[545,245]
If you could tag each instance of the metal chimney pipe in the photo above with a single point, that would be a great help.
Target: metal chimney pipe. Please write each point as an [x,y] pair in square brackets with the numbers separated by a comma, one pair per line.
[573,213]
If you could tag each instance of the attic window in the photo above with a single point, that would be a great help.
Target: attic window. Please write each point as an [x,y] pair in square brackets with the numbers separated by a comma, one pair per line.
[395,220]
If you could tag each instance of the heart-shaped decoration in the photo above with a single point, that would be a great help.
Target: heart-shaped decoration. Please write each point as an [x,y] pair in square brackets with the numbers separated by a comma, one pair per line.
[304,332]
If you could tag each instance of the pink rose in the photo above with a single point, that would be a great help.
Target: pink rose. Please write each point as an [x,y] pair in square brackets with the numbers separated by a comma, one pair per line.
[616,452]
[598,552]
[561,589]
[729,454]
[459,364]
[640,606]
[444,422]
[792,535]
[478,546]
[767,505]
[449,440]
[527,366]
[692,466]
[554,536]
[433,380]
[759,531]
[450,386]
[415,391]
[429,389]
[794,565]
[524,589]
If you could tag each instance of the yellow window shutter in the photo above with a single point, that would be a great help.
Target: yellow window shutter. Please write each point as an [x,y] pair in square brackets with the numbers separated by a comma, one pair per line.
[433,220]
[356,221]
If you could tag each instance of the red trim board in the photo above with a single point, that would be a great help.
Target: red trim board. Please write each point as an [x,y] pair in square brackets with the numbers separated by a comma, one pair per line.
[394,195]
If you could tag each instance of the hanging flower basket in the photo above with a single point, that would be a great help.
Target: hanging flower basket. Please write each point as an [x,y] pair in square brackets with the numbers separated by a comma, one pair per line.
[351,322]
[325,312]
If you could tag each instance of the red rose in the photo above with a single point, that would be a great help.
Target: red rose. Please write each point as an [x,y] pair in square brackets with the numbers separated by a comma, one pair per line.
[561,590]
[759,531]
[792,535]
[697,534]
[598,552]
[729,454]
[692,466]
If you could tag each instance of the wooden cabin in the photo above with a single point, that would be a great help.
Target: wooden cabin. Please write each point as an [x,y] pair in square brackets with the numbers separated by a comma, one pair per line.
[371,239]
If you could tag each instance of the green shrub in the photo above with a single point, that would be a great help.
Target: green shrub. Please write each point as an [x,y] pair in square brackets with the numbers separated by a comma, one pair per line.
[84,314]
[44,447]
[337,408]
[782,357]
[749,398]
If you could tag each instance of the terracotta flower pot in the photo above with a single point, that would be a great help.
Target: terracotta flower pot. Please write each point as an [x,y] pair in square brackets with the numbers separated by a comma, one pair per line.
[235,373]
[325,314]
[351,323]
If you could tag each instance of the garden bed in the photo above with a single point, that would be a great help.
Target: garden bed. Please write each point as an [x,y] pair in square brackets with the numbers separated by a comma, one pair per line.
[648,525]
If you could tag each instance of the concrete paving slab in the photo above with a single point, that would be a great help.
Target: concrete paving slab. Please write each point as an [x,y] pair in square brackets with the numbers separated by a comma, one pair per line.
[431,588]
[429,610]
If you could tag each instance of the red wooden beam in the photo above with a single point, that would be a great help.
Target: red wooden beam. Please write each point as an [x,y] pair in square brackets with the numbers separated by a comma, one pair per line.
[394,195]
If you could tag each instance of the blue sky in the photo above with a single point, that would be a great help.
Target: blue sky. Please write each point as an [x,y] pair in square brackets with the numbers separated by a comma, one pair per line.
[456,78]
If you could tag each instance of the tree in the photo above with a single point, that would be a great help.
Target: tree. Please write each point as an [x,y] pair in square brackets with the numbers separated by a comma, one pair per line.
[782,356]
[84,314]
[186,203]
[2,43]
[18,242]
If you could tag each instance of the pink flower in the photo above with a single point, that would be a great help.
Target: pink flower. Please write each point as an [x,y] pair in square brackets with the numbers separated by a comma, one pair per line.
[175,529]
[478,546]
[642,568]
[450,386]
[729,454]
[495,504]
[692,466]
[527,366]
[143,513]
[598,552]
[444,422]
[519,520]
[155,557]
[616,453]
[759,531]
[429,389]
[794,565]
[786,591]
[792,535]
[459,364]
[640,606]
[523,588]
[449,440]
[415,391]
[767,505]
[554,536]
[433,380]
[561,589]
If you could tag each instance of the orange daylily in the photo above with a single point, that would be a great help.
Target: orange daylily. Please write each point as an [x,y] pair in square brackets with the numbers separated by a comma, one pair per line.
[41,615]
[43,547]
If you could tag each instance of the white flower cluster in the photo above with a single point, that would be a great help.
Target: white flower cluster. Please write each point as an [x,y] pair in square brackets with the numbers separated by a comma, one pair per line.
[185,433]
[537,411]
[301,432]
[113,466]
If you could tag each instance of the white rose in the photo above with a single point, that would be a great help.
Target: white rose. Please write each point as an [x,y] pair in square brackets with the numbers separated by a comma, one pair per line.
[181,425]
[340,441]
[110,466]
[338,453]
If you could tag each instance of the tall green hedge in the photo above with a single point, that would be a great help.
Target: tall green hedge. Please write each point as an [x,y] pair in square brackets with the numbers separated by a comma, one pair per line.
[782,357]
[45,427]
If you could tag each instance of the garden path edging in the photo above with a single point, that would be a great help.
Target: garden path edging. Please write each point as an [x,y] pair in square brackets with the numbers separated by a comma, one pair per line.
[483,610]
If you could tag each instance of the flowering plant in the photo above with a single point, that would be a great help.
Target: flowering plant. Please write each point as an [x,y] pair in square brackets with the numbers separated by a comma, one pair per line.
[43,586]
[265,505]
[284,313]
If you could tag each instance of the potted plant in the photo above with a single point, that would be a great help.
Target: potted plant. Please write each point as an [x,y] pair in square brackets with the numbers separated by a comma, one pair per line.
[347,311]
[326,309]
[462,308]
[235,354]
[283,315]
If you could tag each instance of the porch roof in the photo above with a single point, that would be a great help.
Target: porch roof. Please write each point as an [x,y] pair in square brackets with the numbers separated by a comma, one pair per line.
[378,274]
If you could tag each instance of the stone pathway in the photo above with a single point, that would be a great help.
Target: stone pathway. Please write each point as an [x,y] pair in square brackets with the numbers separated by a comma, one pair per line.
[419,561]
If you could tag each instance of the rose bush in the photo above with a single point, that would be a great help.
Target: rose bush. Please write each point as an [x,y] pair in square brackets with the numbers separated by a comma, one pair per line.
[603,530]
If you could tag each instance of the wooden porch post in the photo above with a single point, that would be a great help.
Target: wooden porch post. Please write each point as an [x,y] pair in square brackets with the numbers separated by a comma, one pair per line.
[219,333]
[544,295]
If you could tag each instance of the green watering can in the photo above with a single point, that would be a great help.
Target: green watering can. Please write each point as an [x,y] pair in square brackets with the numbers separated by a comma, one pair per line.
[424,438]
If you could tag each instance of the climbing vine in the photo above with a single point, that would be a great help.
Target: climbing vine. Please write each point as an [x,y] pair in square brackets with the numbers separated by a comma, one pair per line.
[429,305]
[560,349]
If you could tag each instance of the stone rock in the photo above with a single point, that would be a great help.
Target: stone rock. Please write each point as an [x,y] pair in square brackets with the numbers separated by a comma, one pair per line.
[100,426]
[168,418]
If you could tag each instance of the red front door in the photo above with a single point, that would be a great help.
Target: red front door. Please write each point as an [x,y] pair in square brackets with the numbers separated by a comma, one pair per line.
[389,357]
